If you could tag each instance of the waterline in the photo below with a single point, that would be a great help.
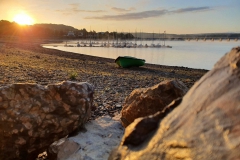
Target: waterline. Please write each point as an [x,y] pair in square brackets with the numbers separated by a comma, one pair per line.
[192,54]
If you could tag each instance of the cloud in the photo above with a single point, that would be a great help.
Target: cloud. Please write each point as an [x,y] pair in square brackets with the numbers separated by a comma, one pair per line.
[74,8]
[192,9]
[130,16]
[122,9]
[74,11]
[147,14]
[74,4]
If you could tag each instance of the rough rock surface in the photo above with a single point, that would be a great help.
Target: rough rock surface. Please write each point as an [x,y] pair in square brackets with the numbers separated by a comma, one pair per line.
[147,101]
[34,116]
[205,125]
[62,149]
[94,142]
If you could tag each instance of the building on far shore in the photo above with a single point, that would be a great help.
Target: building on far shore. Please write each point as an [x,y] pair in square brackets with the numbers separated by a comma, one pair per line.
[80,34]
[71,34]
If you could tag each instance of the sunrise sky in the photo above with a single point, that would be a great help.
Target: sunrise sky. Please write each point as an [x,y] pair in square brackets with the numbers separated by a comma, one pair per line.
[174,16]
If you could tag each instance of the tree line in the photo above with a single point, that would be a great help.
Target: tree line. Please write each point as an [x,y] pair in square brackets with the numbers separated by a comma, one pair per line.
[56,31]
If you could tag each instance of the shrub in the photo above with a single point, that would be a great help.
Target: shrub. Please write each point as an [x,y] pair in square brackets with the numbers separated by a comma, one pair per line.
[73,76]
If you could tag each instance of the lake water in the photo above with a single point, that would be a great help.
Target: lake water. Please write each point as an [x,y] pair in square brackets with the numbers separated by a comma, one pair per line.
[192,54]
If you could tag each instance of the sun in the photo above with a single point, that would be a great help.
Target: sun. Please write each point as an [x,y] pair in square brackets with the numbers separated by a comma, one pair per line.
[23,19]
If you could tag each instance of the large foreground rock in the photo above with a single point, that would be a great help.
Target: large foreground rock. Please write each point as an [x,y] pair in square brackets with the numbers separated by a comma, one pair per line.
[147,101]
[206,124]
[33,116]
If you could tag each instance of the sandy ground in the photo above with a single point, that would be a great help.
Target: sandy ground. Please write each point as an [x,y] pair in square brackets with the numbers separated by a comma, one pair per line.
[22,62]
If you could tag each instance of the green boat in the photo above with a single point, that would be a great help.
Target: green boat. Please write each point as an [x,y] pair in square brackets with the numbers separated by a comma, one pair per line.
[127,61]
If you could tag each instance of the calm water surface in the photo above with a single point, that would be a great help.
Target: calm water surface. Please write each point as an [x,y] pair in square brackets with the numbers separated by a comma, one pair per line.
[192,54]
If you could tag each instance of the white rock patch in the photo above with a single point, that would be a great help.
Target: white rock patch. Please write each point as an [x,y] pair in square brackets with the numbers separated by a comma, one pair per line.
[102,135]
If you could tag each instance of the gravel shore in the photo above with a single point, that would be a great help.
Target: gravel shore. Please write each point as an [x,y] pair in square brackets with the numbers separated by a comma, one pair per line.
[22,62]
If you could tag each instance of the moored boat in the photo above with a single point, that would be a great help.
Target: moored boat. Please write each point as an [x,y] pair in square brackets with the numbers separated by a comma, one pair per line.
[127,61]
[164,37]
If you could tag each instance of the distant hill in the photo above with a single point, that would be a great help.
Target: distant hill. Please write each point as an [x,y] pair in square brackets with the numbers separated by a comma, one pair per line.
[183,36]
[45,30]
[153,35]
[56,27]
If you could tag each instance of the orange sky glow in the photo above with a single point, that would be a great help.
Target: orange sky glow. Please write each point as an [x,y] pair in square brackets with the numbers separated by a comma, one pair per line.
[172,16]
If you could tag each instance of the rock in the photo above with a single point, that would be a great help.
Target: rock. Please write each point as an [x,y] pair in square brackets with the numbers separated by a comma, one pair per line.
[62,149]
[205,125]
[118,105]
[136,134]
[147,101]
[95,141]
[34,116]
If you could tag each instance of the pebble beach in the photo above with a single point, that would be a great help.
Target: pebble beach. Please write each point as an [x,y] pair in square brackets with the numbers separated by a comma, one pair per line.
[29,62]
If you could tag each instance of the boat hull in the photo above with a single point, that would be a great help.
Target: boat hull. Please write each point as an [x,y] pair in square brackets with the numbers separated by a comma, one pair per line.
[127,61]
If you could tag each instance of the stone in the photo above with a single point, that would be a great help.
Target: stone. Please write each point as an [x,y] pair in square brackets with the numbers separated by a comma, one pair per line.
[147,101]
[205,125]
[33,116]
[94,141]
[62,149]
[118,105]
